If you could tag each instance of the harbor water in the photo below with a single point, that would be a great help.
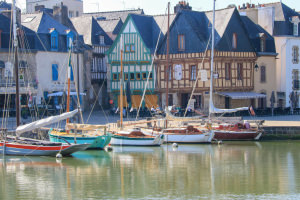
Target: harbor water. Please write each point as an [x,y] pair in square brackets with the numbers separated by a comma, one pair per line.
[233,170]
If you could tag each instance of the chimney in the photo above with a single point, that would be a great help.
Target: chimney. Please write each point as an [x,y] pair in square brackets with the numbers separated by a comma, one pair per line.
[60,13]
[182,5]
[248,5]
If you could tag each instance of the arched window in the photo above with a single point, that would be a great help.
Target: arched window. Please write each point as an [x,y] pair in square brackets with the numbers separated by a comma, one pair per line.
[234,41]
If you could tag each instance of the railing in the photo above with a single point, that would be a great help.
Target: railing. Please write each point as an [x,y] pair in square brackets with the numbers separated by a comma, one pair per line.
[4,83]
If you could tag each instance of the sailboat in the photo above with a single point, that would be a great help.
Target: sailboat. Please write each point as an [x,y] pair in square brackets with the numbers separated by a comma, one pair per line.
[188,133]
[94,135]
[10,145]
[135,136]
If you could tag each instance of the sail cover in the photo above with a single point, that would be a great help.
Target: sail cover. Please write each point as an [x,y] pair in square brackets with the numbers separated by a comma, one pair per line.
[213,109]
[44,122]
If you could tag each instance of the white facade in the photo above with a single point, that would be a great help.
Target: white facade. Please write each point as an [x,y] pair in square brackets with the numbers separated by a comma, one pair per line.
[75,7]
[44,61]
[285,65]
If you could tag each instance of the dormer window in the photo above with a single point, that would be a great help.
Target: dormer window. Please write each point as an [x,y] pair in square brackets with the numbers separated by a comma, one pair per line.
[54,39]
[295,20]
[101,39]
[181,42]
[234,41]
[295,29]
[70,37]
[262,42]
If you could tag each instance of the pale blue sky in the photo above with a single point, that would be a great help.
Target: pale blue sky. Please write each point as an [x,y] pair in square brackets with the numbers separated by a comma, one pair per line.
[159,6]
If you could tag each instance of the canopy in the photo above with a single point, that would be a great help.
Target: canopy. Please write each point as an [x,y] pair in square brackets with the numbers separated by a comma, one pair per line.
[58,94]
[44,122]
[242,95]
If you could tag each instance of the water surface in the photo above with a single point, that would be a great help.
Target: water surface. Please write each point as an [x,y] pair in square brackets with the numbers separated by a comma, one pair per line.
[234,170]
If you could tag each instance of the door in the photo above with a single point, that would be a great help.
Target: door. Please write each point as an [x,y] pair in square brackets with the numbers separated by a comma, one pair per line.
[227,102]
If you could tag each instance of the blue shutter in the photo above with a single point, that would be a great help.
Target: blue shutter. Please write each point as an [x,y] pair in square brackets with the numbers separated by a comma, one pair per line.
[72,76]
[54,72]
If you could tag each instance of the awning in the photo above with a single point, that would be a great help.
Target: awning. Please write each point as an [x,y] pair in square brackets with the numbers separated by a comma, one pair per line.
[58,94]
[242,95]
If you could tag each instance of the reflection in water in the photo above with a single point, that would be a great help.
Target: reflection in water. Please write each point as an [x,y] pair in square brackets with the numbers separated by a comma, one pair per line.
[246,170]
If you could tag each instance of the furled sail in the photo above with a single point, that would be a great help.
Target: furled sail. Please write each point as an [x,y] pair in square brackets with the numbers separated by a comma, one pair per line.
[44,122]
[169,116]
[213,109]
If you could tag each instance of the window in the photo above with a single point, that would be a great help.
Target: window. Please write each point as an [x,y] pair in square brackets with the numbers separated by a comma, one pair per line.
[234,41]
[295,76]
[240,71]
[101,39]
[262,102]
[295,29]
[295,55]
[54,72]
[144,75]
[193,73]
[131,76]
[71,14]
[181,42]
[132,48]
[115,77]
[54,39]
[150,75]
[262,74]
[227,71]
[138,76]
[262,44]
[127,48]
[125,76]
[77,14]
[170,72]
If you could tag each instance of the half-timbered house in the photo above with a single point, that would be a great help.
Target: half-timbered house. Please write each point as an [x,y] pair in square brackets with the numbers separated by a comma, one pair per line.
[139,36]
[234,61]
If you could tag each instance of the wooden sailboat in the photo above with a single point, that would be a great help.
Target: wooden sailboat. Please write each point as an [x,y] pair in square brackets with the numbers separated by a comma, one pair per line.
[131,137]
[94,135]
[29,147]
[231,131]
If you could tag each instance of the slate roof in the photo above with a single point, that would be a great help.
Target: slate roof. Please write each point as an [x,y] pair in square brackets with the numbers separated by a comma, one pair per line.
[196,26]
[111,26]
[5,35]
[254,32]
[282,25]
[121,14]
[162,21]
[42,22]
[148,29]
[90,29]
[4,5]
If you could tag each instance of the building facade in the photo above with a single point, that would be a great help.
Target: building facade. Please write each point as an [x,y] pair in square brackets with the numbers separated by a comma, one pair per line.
[234,61]
[137,39]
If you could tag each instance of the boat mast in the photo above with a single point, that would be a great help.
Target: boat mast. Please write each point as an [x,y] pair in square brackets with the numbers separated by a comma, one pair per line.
[16,63]
[69,83]
[212,64]
[167,67]
[121,84]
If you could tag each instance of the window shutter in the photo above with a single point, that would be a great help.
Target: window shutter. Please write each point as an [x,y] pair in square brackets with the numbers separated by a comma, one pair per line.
[54,72]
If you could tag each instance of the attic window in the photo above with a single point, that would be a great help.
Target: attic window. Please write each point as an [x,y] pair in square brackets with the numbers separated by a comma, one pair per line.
[234,41]
[181,42]
[262,44]
[295,29]
[101,39]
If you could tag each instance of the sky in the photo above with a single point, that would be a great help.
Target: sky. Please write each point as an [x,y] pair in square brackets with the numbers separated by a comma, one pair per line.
[159,6]
[152,7]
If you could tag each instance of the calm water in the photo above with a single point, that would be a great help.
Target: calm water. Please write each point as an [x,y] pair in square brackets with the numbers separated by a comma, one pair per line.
[236,170]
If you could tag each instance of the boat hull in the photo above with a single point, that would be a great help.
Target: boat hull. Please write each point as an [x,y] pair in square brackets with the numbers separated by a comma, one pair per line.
[136,141]
[236,135]
[16,149]
[190,138]
[97,142]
